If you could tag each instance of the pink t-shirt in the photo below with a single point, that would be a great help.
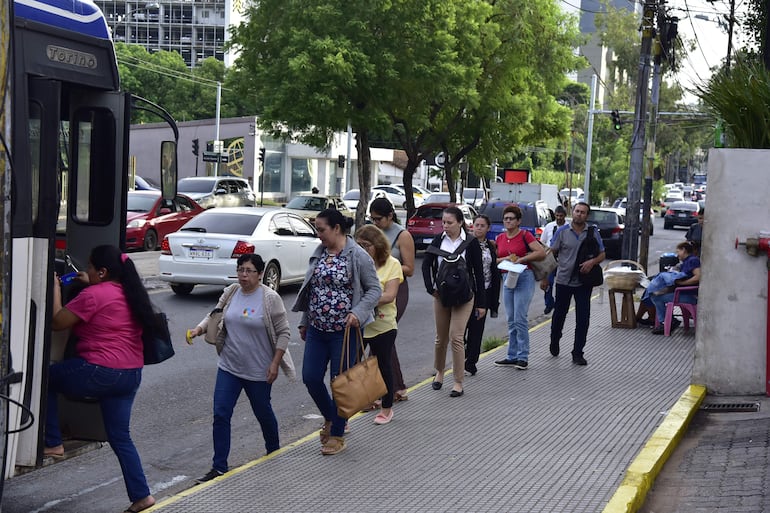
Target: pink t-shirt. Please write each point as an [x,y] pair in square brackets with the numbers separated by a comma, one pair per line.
[109,335]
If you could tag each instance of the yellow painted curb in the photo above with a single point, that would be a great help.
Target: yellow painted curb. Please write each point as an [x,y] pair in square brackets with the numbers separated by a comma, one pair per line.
[641,474]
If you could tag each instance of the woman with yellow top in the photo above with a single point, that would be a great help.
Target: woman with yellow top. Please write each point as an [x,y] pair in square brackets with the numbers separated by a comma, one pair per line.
[380,334]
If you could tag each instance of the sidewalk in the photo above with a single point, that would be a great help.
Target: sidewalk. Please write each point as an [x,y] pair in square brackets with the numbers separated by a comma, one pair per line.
[554,438]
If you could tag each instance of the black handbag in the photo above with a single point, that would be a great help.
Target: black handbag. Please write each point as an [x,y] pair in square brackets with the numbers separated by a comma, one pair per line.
[157,342]
[589,248]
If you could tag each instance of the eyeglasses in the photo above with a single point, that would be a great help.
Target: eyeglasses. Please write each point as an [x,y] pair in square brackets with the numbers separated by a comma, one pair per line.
[243,270]
[510,218]
[377,219]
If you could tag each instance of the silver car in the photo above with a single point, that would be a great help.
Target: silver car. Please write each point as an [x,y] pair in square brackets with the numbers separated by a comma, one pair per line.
[218,191]
[205,249]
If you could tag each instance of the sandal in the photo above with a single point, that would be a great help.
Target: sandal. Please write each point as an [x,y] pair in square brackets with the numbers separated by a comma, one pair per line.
[325,432]
[376,405]
[400,396]
[334,445]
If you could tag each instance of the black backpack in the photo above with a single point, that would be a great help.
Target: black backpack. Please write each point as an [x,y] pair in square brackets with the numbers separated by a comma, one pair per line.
[453,279]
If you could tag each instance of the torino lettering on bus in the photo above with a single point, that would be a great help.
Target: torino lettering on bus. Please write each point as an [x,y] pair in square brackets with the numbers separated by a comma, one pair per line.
[71,57]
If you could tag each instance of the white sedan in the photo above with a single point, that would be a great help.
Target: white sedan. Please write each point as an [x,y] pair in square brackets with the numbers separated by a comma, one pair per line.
[206,248]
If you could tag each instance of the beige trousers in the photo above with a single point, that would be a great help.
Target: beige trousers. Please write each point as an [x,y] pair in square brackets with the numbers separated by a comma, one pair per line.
[450,327]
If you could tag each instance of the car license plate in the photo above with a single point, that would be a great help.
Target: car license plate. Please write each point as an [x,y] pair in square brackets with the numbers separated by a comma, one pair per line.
[682,215]
[201,253]
[427,241]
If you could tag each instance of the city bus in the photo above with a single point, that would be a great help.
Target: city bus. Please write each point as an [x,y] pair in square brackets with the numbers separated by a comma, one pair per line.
[63,188]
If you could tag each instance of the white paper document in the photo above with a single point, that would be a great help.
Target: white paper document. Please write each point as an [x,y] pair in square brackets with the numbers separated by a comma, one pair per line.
[507,265]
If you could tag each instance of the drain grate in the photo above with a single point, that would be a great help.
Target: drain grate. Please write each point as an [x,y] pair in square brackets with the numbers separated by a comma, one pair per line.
[730,407]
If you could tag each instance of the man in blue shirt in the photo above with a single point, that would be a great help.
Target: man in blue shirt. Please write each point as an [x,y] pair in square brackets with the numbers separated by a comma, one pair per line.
[566,245]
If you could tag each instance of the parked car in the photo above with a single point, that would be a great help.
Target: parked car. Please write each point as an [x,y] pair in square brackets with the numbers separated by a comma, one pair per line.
[426,221]
[574,195]
[395,195]
[534,217]
[418,195]
[475,197]
[442,197]
[610,223]
[620,204]
[681,213]
[671,197]
[142,183]
[218,191]
[204,251]
[310,205]
[351,197]
[149,217]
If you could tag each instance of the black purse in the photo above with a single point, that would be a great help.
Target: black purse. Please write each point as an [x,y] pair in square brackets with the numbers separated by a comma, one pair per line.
[157,342]
[589,248]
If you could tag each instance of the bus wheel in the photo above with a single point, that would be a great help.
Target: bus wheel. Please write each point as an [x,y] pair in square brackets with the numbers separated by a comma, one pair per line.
[182,289]
[150,240]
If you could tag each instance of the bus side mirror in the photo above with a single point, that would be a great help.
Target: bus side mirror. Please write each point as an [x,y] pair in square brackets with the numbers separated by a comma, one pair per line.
[168,170]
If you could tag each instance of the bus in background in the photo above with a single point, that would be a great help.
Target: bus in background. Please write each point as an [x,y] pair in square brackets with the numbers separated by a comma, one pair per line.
[63,168]
[699,179]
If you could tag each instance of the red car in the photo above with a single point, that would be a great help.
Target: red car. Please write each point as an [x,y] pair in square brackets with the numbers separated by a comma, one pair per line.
[150,218]
[426,222]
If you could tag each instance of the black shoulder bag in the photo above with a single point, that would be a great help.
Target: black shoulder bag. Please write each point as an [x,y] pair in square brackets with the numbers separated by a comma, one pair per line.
[589,249]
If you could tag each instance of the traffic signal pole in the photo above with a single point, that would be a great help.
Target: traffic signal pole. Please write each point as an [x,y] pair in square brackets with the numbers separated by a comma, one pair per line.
[630,248]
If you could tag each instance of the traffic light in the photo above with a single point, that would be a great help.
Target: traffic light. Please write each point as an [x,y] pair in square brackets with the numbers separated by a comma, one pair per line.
[262,155]
[341,161]
[616,124]
[195,147]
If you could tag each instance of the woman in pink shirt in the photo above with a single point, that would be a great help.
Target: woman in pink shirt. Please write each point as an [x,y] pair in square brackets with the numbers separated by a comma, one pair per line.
[108,317]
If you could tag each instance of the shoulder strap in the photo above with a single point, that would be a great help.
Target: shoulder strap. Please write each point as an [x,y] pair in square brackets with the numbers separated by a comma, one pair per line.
[434,250]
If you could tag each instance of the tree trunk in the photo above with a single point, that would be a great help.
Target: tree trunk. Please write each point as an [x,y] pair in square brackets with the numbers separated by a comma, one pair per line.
[364,175]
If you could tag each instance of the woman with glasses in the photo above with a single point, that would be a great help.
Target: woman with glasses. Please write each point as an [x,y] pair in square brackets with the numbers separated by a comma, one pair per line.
[518,246]
[340,291]
[380,335]
[402,249]
[256,335]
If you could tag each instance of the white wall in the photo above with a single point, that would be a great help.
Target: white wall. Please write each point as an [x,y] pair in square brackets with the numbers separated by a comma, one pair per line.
[730,350]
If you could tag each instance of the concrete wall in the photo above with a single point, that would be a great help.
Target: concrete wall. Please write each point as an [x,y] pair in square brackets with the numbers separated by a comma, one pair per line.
[730,355]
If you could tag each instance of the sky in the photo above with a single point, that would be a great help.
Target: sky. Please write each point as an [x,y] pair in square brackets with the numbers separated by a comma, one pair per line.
[710,38]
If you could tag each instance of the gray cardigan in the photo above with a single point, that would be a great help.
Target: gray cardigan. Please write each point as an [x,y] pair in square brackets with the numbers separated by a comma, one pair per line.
[366,285]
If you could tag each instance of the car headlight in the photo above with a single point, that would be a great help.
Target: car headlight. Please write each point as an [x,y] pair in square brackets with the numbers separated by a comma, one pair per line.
[136,223]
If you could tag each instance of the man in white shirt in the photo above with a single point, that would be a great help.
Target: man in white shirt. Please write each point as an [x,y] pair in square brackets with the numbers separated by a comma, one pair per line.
[545,238]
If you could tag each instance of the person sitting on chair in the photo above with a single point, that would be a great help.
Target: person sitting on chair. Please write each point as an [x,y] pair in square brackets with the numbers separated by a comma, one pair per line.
[690,268]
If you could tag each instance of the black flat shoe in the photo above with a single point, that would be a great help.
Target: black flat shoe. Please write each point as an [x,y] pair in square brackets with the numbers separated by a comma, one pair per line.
[437,385]
[456,393]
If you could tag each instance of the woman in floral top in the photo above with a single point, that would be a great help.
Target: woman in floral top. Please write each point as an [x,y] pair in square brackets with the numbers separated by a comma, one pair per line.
[341,289]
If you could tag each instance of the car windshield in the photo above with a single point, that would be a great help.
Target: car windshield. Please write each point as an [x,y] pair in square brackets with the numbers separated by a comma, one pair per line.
[351,195]
[230,223]
[307,203]
[442,197]
[193,186]
[684,205]
[140,203]
[430,212]
[473,193]
[602,216]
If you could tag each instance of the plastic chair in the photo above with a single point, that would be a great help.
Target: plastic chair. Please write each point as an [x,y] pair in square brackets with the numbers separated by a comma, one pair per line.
[689,311]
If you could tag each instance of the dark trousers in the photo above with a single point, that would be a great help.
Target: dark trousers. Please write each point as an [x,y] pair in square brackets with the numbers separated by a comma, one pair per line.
[564,295]
[550,302]
[473,334]
[402,299]
[382,347]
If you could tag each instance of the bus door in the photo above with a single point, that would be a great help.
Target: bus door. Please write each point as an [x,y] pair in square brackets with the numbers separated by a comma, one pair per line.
[35,204]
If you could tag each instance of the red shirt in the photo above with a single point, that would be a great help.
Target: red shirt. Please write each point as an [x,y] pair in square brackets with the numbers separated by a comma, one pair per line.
[518,245]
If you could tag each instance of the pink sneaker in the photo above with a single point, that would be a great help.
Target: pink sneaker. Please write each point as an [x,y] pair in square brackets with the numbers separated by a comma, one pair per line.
[381,418]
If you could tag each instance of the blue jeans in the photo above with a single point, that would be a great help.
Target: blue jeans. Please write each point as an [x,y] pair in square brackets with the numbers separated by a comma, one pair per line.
[564,294]
[517,302]
[226,392]
[322,350]
[660,303]
[115,389]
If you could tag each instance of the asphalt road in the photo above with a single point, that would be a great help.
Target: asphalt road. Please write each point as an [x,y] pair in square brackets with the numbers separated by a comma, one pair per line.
[171,422]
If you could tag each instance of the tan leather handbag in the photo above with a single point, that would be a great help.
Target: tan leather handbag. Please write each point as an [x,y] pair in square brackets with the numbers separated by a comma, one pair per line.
[359,385]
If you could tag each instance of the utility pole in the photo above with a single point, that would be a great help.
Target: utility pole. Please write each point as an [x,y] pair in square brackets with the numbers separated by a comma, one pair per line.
[730,24]
[589,140]
[630,249]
